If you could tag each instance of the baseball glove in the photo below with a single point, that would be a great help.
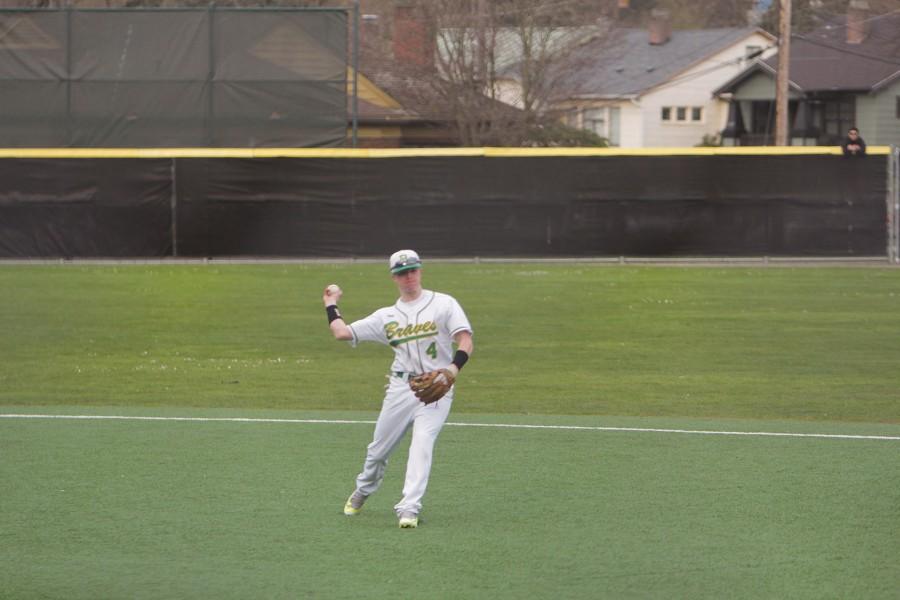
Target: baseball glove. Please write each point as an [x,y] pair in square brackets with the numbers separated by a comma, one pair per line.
[431,387]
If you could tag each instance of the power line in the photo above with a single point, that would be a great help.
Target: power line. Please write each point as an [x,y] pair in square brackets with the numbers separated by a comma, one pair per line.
[690,76]
[847,51]
[831,23]
[835,16]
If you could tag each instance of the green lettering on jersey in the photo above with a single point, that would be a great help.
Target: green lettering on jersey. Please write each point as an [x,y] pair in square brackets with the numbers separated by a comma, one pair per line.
[397,335]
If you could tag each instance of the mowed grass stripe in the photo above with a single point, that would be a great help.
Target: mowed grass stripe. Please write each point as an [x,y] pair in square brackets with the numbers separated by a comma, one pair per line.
[456,424]
[806,344]
[170,509]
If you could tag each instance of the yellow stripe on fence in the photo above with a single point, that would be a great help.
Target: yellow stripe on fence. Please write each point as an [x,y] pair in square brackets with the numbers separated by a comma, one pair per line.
[418,152]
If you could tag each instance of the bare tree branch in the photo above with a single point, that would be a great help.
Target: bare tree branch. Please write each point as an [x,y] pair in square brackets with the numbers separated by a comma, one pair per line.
[496,65]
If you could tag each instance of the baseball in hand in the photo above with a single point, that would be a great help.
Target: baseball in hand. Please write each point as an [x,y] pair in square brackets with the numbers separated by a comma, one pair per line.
[333,289]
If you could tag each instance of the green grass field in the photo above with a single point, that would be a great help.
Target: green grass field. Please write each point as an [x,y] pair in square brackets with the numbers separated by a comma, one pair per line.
[134,508]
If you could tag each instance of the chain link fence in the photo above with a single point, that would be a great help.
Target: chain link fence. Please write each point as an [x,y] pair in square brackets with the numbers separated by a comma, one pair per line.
[211,77]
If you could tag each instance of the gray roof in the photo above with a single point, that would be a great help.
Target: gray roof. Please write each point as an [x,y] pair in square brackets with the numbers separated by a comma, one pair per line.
[823,61]
[625,64]
[419,98]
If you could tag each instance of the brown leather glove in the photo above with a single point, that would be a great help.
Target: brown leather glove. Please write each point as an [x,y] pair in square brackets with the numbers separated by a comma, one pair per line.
[431,387]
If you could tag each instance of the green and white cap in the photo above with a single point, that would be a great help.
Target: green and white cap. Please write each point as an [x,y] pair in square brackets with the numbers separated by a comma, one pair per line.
[404,260]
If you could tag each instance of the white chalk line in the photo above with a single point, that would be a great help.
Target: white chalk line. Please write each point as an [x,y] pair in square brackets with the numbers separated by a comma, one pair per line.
[454,424]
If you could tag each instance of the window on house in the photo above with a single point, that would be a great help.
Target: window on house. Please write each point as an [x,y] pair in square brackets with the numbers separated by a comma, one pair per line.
[605,122]
[595,120]
[840,115]
[832,117]
[684,114]
[614,125]
[898,107]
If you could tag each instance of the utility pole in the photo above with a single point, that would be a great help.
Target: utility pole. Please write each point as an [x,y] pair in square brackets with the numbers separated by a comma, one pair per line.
[354,127]
[783,76]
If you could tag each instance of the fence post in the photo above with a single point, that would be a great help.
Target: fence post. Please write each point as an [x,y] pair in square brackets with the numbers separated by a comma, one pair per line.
[355,59]
[173,207]
[70,128]
[211,75]
[894,205]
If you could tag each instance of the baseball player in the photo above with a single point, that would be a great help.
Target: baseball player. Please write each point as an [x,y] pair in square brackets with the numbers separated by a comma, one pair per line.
[421,328]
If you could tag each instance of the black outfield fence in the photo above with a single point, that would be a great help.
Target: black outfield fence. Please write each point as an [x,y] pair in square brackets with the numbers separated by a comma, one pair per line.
[463,202]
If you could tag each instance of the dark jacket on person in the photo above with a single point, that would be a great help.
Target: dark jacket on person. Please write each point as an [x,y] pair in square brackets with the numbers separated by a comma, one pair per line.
[853,147]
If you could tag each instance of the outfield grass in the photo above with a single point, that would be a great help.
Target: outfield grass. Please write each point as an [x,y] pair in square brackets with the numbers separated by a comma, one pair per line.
[137,509]
[756,343]
[626,508]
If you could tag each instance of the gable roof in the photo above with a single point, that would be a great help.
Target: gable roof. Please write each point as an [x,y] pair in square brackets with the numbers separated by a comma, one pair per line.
[375,105]
[415,96]
[625,64]
[824,61]
[758,66]
[396,105]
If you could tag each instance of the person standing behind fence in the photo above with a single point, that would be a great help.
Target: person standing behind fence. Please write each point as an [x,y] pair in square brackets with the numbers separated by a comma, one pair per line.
[853,144]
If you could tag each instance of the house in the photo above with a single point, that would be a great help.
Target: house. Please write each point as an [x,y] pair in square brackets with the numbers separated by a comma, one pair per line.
[401,99]
[396,109]
[384,122]
[388,114]
[844,74]
[652,87]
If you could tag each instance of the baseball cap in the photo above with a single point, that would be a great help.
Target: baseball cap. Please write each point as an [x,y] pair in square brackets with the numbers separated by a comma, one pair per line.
[404,260]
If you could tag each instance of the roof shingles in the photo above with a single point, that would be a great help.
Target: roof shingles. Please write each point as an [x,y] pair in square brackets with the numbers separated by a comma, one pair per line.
[625,64]
[824,61]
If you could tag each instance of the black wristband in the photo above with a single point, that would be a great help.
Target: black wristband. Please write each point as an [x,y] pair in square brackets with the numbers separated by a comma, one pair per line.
[460,358]
[333,313]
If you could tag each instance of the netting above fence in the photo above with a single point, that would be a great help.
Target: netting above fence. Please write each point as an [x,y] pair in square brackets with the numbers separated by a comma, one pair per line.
[173,78]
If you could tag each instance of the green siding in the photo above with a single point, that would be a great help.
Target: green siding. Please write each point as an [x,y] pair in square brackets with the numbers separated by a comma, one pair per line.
[876,116]
[759,86]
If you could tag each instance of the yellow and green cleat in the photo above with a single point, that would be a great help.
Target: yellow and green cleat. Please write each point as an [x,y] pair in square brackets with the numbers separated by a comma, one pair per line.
[409,520]
[354,504]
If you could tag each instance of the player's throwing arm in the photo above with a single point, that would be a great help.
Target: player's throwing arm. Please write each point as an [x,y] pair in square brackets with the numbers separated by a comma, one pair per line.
[421,328]
[331,297]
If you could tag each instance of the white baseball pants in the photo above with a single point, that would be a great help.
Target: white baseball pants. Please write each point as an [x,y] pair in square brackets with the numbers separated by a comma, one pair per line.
[400,411]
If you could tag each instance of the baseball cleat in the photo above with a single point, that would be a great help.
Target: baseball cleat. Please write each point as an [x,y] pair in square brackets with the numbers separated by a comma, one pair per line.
[354,504]
[409,520]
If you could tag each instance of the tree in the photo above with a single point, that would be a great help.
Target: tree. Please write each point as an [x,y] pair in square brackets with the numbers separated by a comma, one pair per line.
[690,14]
[807,15]
[480,46]
[461,58]
[703,14]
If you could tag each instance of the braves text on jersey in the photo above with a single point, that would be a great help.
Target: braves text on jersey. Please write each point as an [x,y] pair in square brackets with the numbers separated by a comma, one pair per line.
[420,332]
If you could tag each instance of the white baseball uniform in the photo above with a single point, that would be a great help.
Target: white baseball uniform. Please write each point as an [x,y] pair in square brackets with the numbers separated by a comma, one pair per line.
[421,334]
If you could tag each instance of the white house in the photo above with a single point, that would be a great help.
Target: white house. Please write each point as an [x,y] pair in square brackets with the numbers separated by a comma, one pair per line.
[643,88]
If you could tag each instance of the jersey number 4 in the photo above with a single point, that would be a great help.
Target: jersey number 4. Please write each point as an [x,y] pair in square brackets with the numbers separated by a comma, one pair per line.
[432,351]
